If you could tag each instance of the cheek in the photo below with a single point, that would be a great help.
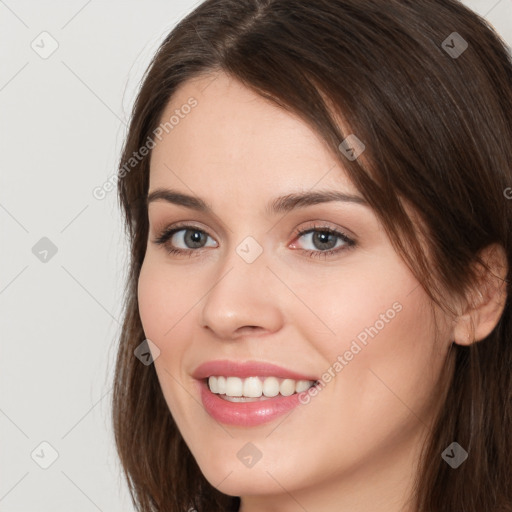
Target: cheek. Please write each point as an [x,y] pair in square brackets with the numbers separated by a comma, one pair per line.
[386,365]
[353,302]
[151,299]
[379,350]
[163,306]
[163,298]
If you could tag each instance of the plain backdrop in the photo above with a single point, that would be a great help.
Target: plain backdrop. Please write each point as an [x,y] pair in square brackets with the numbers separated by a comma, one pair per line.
[69,73]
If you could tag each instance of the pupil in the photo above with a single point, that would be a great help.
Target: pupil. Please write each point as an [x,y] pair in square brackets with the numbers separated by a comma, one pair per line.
[194,238]
[322,237]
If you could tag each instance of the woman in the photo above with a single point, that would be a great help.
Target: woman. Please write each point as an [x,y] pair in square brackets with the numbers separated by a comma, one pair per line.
[317,313]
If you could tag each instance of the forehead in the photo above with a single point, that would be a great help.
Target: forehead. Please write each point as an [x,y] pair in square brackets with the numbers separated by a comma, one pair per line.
[235,139]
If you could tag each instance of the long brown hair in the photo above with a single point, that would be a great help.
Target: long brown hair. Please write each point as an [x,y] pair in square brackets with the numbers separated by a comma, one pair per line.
[434,110]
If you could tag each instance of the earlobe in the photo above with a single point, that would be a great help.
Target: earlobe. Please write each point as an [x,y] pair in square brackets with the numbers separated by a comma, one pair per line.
[464,330]
[489,296]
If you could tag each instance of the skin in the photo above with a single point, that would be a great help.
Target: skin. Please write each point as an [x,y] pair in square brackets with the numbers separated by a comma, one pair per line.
[355,446]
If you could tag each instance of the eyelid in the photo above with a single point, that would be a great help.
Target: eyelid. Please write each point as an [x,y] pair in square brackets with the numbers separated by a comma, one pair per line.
[348,239]
[163,227]
[166,233]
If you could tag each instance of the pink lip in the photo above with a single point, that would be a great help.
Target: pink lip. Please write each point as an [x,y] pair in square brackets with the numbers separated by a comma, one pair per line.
[248,369]
[246,414]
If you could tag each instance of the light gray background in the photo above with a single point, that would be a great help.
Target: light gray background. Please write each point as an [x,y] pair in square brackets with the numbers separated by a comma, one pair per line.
[63,119]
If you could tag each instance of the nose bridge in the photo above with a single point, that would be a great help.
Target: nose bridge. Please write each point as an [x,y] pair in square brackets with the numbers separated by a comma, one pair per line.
[240,294]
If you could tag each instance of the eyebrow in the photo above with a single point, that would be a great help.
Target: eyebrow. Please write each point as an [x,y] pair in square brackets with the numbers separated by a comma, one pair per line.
[280,204]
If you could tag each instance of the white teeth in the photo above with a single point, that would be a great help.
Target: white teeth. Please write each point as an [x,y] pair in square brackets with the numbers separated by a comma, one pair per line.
[302,385]
[255,387]
[287,387]
[213,383]
[221,386]
[270,387]
[234,386]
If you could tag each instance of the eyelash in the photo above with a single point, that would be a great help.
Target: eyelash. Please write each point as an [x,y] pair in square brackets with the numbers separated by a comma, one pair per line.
[167,234]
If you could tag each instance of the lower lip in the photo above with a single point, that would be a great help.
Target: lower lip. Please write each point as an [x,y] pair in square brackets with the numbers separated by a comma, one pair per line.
[246,414]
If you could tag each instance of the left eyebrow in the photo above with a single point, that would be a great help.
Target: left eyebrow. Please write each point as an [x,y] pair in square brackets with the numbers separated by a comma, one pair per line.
[301,200]
[278,205]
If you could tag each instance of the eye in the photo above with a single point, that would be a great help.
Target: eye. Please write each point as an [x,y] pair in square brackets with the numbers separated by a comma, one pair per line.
[183,239]
[324,241]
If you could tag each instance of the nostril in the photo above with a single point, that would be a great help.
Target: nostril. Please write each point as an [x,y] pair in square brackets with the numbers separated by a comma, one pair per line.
[248,329]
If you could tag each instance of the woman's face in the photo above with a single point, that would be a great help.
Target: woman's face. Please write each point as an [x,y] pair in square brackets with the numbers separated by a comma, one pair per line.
[342,309]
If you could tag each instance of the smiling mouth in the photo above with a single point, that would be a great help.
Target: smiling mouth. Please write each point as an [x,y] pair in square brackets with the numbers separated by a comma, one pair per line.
[253,389]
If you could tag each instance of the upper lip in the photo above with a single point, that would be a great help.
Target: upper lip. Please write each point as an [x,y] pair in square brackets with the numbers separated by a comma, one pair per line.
[246,369]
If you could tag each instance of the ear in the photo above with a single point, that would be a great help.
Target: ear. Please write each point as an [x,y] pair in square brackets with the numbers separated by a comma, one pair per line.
[486,300]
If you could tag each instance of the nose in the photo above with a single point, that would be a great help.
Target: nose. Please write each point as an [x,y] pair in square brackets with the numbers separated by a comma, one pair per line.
[243,299]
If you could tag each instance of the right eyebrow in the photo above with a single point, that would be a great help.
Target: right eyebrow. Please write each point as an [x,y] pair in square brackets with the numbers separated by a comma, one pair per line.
[174,197]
